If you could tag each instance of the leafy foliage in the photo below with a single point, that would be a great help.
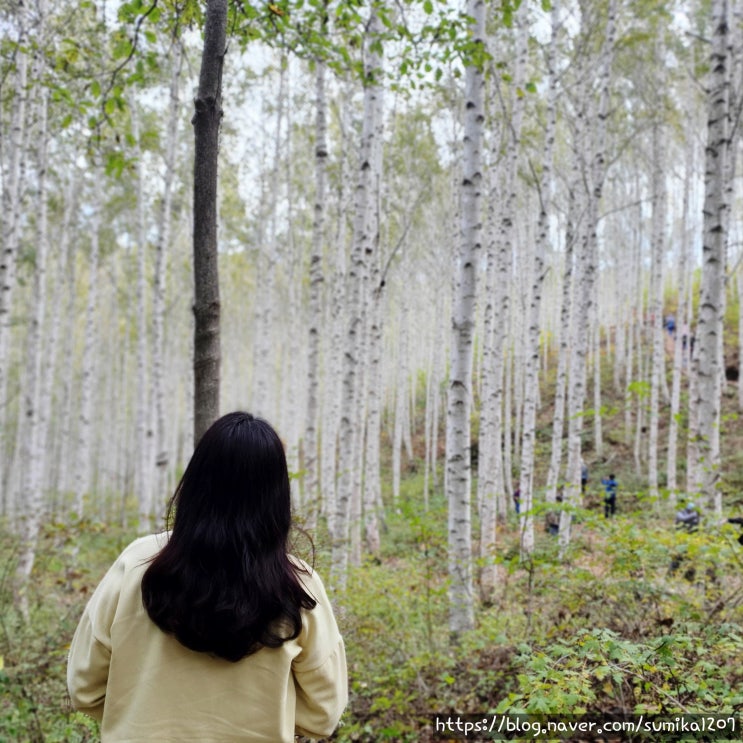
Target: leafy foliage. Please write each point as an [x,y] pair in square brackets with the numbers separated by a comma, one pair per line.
[614,630]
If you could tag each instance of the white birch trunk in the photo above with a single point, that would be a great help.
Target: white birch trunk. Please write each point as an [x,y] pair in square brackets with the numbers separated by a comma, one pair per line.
[161,447]
[401,378]
[67,448]
[461,598]
[337,310]
[531,371]
[490,459]
[561,377]
[293,402]
[53,356]
[83,454]
[35,423]
[143,460]
[12,204]
[598,436]
[710,321]
[349,434]
[657,331]
[311,480]
[372,477]
[682,340]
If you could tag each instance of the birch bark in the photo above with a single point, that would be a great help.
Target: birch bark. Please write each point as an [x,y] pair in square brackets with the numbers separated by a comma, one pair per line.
[682,340]
[83,453]
[143,452]
[349,438]
[372,478]
[461,598]
[371,506]
[338,307]
[531,372]
[161,447]
[658,197]
[315,303]
[35,421]
[598,435]
[710,320]
[12,201]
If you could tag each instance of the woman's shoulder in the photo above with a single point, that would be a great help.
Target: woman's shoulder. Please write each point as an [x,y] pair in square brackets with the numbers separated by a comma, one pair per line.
[304,569]
[143,548]
[307,575]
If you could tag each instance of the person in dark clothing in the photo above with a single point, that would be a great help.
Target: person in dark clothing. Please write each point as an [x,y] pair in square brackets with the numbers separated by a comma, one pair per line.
[552,517]
[688,518]
[671,325]
[517,498]
[610,497]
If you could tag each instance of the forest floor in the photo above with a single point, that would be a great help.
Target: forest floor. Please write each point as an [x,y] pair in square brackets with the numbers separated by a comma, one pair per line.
[608,631]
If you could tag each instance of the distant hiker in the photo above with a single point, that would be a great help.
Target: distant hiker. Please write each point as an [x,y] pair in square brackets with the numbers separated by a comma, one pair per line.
[671,325]
[610,495]
[552,517]
[583,476]
[687,518]
[213,631]
[517,498]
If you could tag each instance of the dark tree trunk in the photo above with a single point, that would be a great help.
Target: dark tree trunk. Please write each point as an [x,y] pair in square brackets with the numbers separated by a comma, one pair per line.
[206,121]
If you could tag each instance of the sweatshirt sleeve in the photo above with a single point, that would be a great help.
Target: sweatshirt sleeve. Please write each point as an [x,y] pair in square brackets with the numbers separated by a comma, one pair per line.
[320,674]
[90,650]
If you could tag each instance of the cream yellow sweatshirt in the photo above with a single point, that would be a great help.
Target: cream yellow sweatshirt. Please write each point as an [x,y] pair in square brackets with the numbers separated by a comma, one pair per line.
[143,685]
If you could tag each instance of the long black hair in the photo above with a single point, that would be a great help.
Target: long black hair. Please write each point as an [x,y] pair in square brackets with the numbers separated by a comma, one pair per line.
[224,584]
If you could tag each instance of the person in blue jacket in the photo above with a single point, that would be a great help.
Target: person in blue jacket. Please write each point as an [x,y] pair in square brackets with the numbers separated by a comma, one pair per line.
[610,497]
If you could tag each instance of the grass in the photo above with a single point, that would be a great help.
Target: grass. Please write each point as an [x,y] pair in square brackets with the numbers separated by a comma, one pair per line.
[546,643]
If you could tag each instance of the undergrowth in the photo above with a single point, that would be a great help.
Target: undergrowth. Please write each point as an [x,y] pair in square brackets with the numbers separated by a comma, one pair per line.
[611,629]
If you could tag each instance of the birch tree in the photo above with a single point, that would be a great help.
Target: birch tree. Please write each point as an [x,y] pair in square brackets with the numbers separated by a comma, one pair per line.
[144,460]
[35,420]
[459,401]
[714,246]
[164,234]
[682,340]
[349,439]
[658,197]
[531,375]
[89,365]
[494,450]
[315,303]
[12,199]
